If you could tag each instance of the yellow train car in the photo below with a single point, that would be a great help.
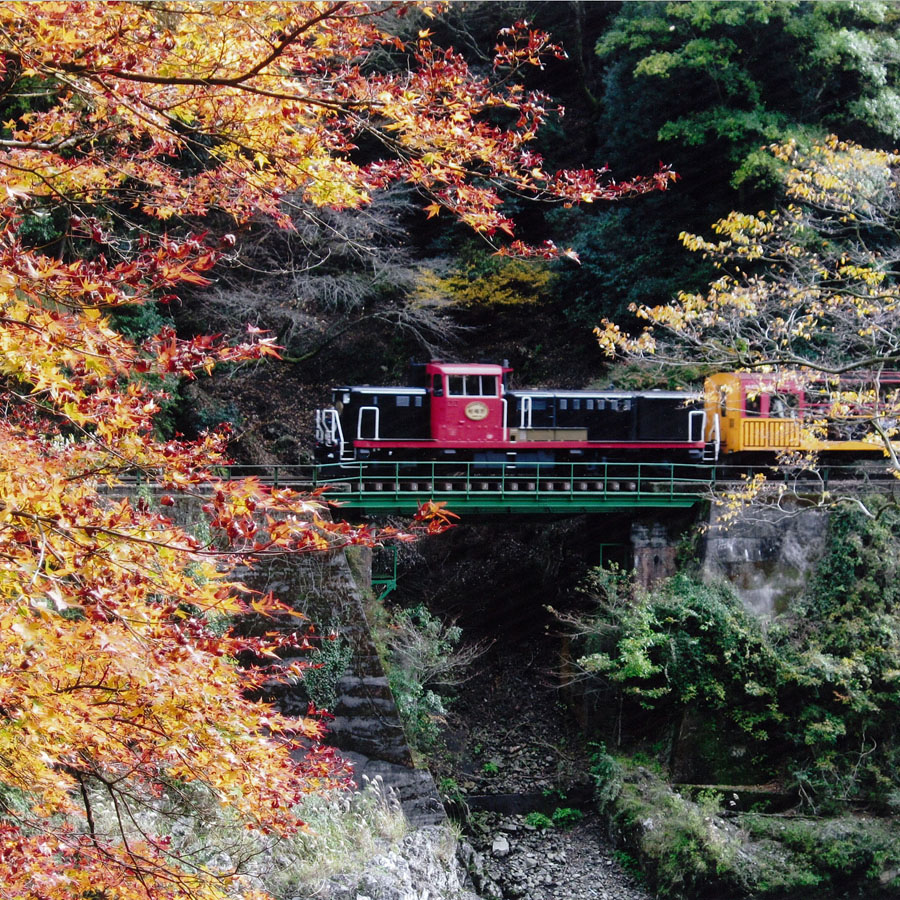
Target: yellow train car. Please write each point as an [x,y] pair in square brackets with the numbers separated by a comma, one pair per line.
[748,412]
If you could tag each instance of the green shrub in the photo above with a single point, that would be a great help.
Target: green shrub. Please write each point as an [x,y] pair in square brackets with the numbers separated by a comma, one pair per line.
[421,710]
[424,661]
[538,820]
[607,774]
[566,817]
[328,661]
[630,866]
[847,849]
[139,321]
[687,848]
[811,699]
[678,843]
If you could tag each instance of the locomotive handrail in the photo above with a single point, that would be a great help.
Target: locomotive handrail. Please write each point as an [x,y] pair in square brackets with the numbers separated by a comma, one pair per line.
[359,422]
[525,412]
[329,431]
[717,434]
[693,415]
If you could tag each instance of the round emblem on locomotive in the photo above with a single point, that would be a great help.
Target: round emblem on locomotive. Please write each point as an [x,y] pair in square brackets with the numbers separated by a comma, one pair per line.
[476,411]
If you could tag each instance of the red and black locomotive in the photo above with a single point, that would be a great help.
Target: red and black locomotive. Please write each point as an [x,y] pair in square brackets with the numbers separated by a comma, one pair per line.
[467,412]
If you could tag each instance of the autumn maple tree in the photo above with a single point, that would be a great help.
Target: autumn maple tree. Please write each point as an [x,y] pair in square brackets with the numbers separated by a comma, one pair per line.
[126,125]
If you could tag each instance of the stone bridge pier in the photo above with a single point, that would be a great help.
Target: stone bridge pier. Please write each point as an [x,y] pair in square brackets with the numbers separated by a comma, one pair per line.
[366,727]
[653,552]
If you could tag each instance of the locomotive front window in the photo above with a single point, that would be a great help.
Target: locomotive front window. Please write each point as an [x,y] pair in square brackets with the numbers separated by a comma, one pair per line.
[488,385]
[481,385]
[436,387]
[472,385]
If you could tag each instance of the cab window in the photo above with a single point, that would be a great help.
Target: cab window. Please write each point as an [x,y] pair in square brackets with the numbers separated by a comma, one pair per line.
[487,385]
[753,405]
[472,385]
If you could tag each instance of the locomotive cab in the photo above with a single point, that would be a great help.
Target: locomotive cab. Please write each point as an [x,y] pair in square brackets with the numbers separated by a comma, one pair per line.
[468,406]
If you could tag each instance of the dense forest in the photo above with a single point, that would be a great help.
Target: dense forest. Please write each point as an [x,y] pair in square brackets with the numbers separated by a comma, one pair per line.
[332,190]
[689,86]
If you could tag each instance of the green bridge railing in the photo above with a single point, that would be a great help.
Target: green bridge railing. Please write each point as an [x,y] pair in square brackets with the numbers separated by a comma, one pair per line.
[401,487]
[542,487]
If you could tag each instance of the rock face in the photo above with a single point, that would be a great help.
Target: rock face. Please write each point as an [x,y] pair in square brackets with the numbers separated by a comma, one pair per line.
[422,867]
[767,557]
[366,725]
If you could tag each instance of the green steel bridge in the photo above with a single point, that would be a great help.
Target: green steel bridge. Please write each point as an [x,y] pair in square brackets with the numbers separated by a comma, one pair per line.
[480,488]
[383,488]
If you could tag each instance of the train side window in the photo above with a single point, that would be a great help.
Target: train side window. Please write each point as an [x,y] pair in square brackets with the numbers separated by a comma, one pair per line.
[418,399]
[601,404]
[753,405]
[626,404]
[456,385]
[784,406]
[563,403]
[589,403]
[437,388]
[576,404]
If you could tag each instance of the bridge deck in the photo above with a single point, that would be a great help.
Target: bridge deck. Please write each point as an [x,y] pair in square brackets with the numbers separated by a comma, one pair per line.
[543,488]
